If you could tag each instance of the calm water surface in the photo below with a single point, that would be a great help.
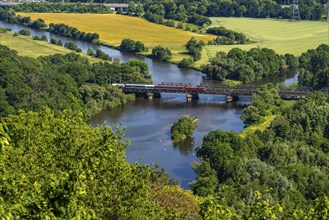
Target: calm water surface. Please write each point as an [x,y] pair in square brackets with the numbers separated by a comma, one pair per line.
[148,125]
[148,122]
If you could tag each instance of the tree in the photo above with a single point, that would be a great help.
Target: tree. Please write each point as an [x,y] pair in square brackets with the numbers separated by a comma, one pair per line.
[25,32]
[90,52]
[44,38]
[38,24]
[185,63]
[161,53]
[183,128]
[139,10]
[102,55]
[71,46]
[131,8]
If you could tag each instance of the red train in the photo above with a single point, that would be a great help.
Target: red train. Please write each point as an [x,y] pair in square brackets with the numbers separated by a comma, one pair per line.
[167,86]
[180,86]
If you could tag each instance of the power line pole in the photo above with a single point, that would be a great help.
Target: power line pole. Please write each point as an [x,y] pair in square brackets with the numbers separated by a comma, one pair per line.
[295,11]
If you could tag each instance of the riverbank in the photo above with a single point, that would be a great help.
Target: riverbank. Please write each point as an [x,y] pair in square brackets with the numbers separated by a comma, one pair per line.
[26,46]
[113,28]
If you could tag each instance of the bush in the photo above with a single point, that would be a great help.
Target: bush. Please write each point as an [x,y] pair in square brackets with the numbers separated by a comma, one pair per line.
[183,128]
[36,38]
[44,38]
[72,46]
[185,63]
[161,53]
[132,46]
[101,55]
[25,32]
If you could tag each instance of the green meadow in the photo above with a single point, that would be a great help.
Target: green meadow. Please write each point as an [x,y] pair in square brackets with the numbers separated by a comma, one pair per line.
[25,46]
[283,36]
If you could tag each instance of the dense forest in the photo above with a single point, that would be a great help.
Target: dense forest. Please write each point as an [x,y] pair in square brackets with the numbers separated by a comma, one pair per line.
[53,165]
[194,11]
[314,68]
[248,66]
[64,82]
[279,173]
[63,7]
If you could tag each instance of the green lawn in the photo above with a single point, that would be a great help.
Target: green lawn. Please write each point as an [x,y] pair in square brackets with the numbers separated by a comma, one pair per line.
[25,46]
[281,35]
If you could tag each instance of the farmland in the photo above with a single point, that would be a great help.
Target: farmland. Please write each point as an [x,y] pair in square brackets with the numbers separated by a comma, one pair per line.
[25,46]
[113,28]
[281,35]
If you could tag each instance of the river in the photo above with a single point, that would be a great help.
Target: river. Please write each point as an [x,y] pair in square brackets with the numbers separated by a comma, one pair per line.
[148,122]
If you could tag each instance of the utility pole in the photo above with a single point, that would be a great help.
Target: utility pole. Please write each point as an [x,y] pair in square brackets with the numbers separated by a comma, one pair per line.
[295,11]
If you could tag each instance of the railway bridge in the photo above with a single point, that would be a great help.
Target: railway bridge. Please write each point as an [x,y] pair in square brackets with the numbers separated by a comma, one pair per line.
[193,92]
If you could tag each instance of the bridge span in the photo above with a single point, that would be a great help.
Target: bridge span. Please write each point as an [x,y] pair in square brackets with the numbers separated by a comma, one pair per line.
[193,92]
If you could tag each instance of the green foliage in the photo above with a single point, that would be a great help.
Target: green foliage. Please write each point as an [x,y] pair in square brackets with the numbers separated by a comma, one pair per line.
[236,37]
[185,63]
[55,166]
[71,46]
[278,173]
[195,48]
[132,46]
[212,210]
[98,98]
[25,32]
[102,55]
[62,7]
[60,82]
[245,66]
[161,53]
[265,101]
[4,30]
[183,128]
[38,24]
[72,32]
[315,68]
[90,52]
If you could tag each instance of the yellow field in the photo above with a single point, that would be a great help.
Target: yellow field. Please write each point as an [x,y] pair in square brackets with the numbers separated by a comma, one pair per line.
[112,28]
[281,35]
[25,46]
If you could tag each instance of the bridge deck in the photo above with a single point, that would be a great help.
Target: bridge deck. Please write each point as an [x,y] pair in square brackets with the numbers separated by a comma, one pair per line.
[224,90]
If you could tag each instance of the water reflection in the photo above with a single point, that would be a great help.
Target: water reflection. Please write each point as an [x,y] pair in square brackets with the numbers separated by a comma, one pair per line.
[148,122]
[185,147]
[161,71]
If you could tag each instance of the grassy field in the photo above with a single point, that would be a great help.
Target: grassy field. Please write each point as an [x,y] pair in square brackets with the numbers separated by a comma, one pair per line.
[25,46]
[262,126]
[113,28]
[281,35]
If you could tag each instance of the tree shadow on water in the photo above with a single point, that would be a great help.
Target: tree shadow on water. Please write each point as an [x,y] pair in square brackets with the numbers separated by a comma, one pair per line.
[185,147]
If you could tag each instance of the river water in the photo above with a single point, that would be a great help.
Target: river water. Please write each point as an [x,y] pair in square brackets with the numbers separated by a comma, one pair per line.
[148,122]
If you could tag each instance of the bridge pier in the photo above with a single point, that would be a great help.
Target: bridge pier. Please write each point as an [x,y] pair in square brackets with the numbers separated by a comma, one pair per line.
[190,97]
[231,98]
[149,96]
[156,95]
